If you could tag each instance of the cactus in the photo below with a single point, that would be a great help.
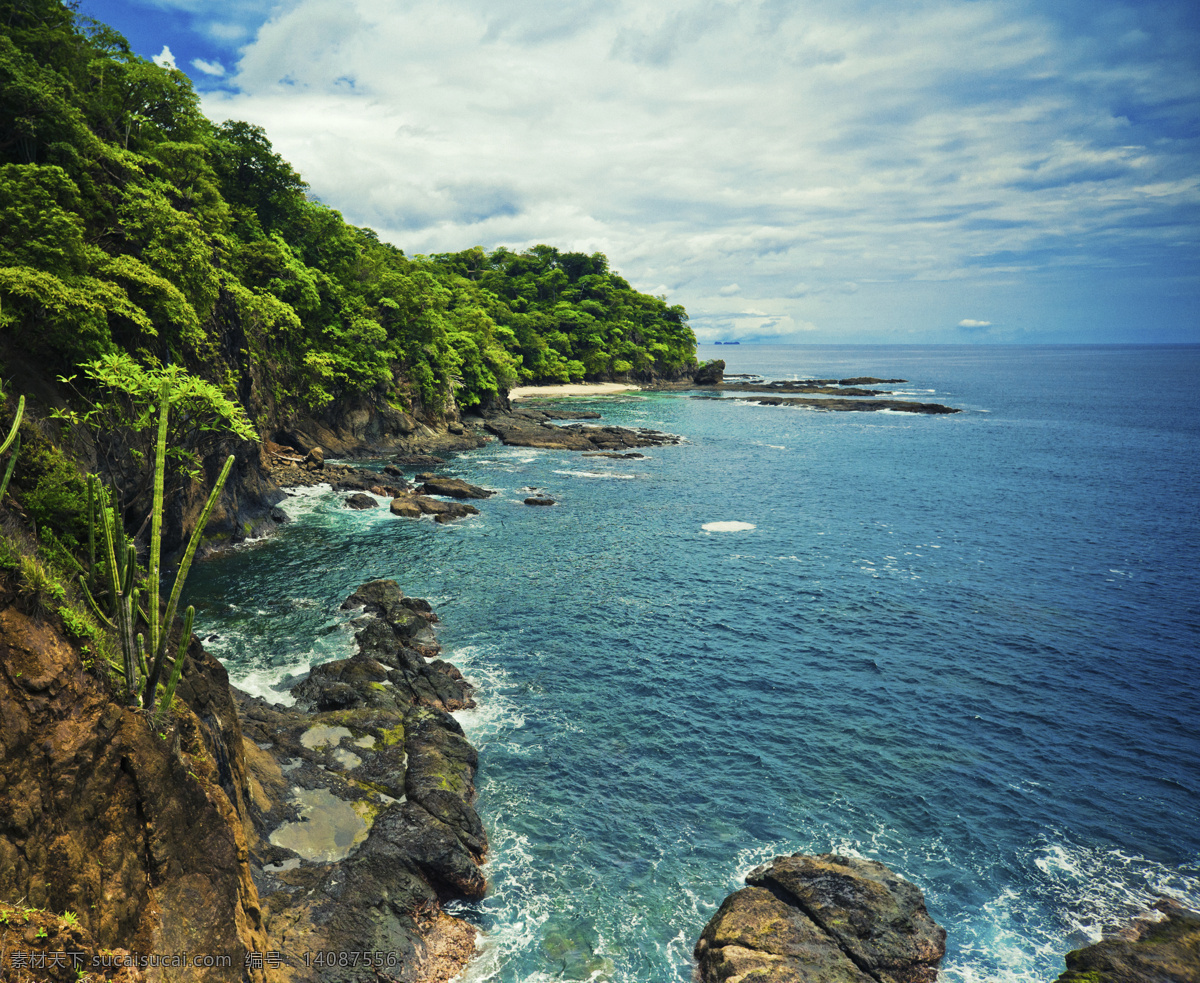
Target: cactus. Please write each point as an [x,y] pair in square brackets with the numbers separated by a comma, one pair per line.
[158,647]
[123,597]
[13,436]
[145,655]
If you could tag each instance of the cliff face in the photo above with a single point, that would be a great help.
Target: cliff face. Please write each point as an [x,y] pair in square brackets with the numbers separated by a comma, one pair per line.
[129,826]
[351,814]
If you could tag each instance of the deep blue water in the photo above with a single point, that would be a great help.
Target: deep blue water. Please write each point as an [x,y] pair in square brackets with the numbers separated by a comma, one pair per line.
[963,645]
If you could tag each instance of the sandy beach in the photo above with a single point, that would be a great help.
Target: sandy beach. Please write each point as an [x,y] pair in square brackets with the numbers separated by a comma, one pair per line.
[574,389]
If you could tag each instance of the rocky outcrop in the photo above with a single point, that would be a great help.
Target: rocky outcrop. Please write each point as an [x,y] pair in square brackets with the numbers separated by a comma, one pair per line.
[847,405]
[822,919]
[415,506]
[710,373]
[531,428]
[362,803]
[360,426]
[133,828]
[452,487]
[1163,946]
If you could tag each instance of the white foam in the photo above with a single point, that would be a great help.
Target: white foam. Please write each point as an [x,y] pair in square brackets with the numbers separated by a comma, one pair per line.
[598,474]
[263,683]
[302,501]
[728,526]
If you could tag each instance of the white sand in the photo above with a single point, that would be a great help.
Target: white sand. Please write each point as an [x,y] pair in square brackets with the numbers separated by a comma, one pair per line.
[575,389]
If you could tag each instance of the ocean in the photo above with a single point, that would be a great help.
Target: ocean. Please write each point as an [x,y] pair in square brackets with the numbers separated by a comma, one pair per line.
[961,645]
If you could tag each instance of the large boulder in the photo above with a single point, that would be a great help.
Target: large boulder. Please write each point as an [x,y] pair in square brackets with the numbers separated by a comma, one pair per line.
[132,827]
[1161,947]
[822,919]
[710,373]
[453,488]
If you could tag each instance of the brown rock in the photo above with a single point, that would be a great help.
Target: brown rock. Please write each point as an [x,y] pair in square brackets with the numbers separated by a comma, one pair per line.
[453,488]
[825,919]
[874,914]
[539,501]
[406,507]
[102,816]
[1161,947]
[754,932]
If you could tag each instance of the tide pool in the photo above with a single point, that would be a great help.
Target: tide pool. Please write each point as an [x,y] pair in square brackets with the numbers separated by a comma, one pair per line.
[962,645]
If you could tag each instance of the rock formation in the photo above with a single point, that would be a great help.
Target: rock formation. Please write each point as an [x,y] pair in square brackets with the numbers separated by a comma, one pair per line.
[533,428]
[361,806]
[132,828]
[1161,947]
[823,919]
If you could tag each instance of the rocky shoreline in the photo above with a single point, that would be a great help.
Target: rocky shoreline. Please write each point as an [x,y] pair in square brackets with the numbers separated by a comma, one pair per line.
[362,803]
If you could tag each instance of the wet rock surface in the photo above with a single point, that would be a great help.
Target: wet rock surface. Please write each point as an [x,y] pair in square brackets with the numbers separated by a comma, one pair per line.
[822,919]
[1160,947]
[362,802]
[453,488]
[846,405]
[534,428]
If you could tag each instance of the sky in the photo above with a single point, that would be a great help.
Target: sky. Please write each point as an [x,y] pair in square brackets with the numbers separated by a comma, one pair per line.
[812,171]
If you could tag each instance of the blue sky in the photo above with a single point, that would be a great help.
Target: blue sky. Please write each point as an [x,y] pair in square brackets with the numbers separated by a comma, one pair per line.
[804,171]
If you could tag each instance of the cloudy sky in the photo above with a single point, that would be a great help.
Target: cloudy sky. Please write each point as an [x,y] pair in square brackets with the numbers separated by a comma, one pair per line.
[794,170]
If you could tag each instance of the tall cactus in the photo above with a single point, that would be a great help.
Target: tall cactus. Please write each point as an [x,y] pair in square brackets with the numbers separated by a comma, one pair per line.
[13,439]
[145,656]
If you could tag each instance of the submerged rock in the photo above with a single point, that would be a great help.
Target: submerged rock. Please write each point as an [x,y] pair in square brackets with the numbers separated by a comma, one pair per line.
[822,919]
[850,405]
[1161,947]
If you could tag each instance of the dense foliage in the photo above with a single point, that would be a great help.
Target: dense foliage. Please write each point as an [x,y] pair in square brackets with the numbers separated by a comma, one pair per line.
[129,223]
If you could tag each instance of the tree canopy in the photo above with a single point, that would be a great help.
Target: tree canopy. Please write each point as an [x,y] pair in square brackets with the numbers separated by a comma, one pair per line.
[130,223]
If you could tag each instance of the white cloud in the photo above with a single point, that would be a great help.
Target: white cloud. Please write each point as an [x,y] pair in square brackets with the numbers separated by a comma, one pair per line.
[730,290]
[967,322]
[843,145]
[225,31]
[164,59]
[214,68]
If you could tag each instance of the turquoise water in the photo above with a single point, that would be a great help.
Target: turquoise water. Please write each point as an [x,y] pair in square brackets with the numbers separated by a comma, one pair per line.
[963,645]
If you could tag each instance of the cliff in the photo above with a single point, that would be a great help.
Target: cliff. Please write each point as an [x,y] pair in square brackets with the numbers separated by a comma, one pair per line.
[132,828]
[158,841]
